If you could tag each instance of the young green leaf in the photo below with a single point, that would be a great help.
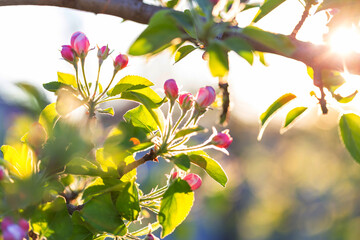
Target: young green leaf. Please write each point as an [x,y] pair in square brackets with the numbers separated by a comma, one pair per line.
[161,30]
[182,161]
[183,52]
[279,103]
[212,167]
[52,220]
[67,79]
[218,59]
[175,206]
[81,228]
[141,117]
[102,215]
[241,47]
[266,8]
[127,202]
[292,116]
[277,42]
[81,166]
[350,133]
[346,99]
[129,83]
[48,117]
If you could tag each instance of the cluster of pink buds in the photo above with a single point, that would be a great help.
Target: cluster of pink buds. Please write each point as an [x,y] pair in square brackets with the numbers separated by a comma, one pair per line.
[204,98]
[79,48]
[13,231]
[192,179]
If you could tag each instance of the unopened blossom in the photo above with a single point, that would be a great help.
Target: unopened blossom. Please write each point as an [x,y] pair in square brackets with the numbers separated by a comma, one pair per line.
[171,89]
[80,43]
[222,140]
[205,97]
[120,62]
[193,180]
[186,101]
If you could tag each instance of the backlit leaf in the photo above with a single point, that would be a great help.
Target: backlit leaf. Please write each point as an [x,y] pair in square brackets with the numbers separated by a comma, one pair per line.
[292,116]
[266,8]
[218,59]
[129,83]
[350,133]
[183,52]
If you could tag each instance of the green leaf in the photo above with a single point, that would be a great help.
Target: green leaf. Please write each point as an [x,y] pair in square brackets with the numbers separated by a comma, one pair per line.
[185,20]
[67,79]
[346,99]
[182,161]
[150,100]
[279,103]
[350,132]
[212,167]
[52,220]
[48,117]
[161,30]
[52,86]
[332,80]
[141,117]
[109,111]
[100,186]
[188,131]
[218,59]
[292,115]
[129,83]
[127,202]
[266,8]
[241,47]
[81,166]
[171,3]
[102,215]
[175,206]
[80,228]
[183,52]
[277,42]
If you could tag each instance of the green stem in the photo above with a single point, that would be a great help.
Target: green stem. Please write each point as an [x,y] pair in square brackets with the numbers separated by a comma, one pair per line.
[157,191]
[183,114]
[151,198]
[97,82]
[107,88]
[78,83]
[83,71]
[199,147]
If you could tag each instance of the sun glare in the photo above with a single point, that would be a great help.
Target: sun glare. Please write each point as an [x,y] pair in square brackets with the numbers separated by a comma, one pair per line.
[345,40]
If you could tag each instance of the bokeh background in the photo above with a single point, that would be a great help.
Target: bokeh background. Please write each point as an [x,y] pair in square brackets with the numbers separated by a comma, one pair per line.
[301,185]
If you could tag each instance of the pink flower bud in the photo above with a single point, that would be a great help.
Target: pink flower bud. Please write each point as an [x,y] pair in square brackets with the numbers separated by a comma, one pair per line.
[193,180]
[24,224]
[186,101]
[205,97]
[67,53]
[174,175]
[103,53]
[14,232]
[120,62]
[222,140]
[2,173]
[151,236]
[171,89]
[80,43]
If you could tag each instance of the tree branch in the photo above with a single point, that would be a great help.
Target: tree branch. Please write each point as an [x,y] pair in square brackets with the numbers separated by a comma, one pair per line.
[319,56]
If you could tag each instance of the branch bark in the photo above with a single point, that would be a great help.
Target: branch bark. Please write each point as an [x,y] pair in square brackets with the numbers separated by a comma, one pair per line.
[319,56]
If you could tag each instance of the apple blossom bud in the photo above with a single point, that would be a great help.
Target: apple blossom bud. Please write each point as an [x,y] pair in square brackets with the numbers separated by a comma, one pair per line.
[171,89]
[68,54]
[186,101]
[2,173]
[193,180]
[222,140]
[205,97]
[80,43]
[120,62]
[174,175]
[24,224]
[151,236]
[103,53]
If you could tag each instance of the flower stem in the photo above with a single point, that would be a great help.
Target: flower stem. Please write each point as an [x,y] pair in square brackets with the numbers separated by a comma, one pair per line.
[80,87]
[83,71]
[107,88]
[97,82]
